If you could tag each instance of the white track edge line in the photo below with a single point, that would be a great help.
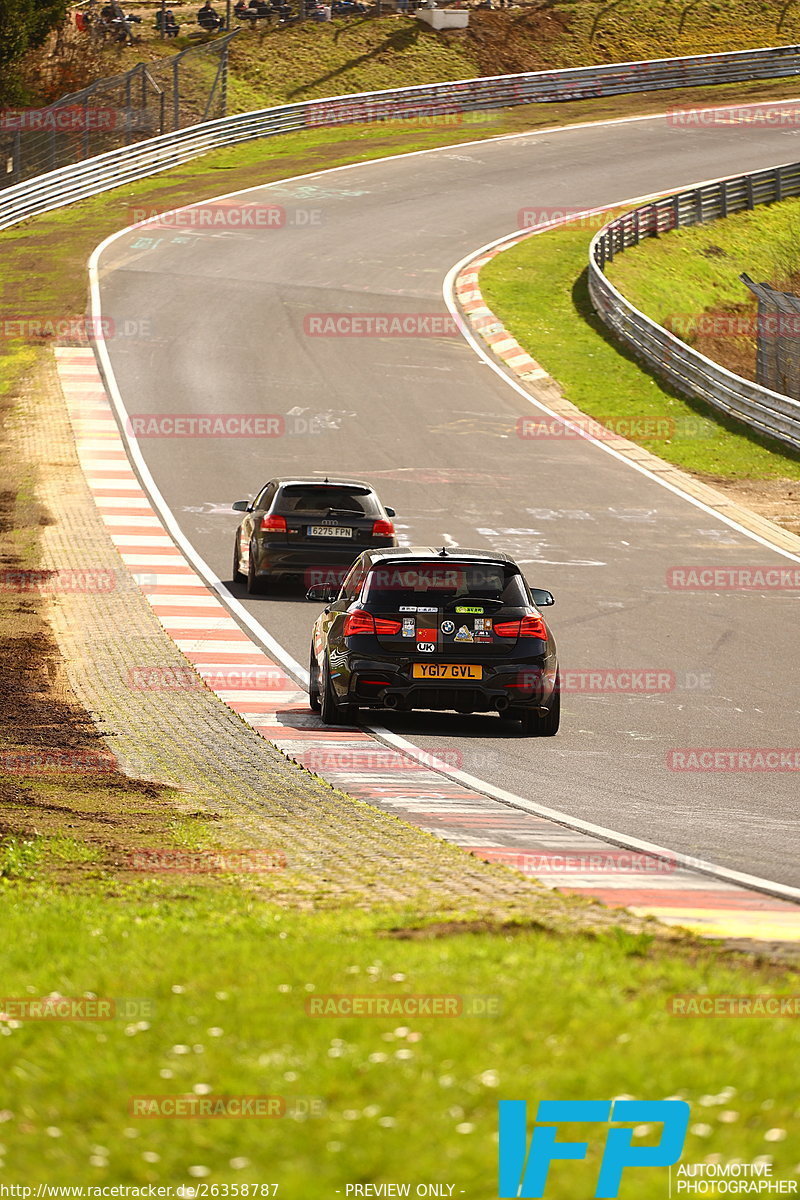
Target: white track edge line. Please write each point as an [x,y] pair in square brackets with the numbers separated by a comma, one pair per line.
[783,891]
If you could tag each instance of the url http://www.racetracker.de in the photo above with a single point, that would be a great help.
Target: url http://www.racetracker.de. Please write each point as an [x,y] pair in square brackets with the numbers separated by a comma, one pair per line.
[181,1191]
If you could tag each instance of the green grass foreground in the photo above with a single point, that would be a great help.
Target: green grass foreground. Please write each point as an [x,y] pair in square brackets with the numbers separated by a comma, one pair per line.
[221,980]
[223,975]
[538,289]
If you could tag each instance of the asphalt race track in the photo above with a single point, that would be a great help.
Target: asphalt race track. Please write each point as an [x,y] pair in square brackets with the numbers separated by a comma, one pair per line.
[216,325]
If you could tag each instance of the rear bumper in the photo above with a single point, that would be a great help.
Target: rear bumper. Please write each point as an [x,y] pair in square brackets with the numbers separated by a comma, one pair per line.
[506,687]
[317,564]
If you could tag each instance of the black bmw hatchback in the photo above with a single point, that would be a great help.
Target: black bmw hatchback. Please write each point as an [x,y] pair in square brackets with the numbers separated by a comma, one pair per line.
[420,628]
[312,528]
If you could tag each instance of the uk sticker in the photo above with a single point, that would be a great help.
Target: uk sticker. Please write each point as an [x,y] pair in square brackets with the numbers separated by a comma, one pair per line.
[426,647]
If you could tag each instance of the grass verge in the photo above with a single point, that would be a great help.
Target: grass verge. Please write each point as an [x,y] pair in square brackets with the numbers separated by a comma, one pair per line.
[213,987]
[538,289]
[689,279]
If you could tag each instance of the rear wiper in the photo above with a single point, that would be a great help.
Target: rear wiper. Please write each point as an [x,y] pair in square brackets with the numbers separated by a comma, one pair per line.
[344,512]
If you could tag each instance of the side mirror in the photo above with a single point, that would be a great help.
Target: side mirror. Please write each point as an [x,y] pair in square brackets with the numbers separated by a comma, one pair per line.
[542,598]
[322,592]
[390,512]
[241,506]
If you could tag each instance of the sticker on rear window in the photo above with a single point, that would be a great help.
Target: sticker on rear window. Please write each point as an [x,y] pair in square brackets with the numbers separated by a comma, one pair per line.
[414,608]
[409,626]
[464,635]
[465,608]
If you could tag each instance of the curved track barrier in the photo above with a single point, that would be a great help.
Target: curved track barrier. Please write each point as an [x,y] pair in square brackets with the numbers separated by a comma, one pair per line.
[91,176]
[691,373]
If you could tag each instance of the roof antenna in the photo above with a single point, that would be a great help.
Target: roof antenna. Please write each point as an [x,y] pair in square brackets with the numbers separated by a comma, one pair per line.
[326,480]
[443,552]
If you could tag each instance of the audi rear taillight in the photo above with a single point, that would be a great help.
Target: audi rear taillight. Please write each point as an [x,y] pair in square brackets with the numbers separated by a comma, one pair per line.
[359,622]
[273,524]
[382,528]
[529,626]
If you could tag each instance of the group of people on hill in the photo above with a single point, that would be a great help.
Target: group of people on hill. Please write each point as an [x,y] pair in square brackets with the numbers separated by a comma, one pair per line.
[112,20]
[280,10]
[108,21]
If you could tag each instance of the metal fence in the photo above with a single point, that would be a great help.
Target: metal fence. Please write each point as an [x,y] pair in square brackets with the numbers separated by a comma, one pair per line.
[691,373]
[765,410]
[151,99]
[777,338]
[146,157]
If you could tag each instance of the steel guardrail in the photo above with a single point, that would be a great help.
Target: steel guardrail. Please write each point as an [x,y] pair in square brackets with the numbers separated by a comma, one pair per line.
[126,164]
[690,372]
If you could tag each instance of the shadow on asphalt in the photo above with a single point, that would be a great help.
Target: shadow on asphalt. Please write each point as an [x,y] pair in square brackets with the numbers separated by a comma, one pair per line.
[286,591]
[442,724]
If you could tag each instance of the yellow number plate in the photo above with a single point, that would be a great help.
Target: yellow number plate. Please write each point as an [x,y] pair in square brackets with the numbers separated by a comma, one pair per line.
[446,671]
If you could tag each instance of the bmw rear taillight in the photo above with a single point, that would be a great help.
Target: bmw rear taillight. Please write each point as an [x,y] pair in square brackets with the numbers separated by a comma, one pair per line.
[529,626]
[273,524]
[359,622]
[385,626]
[382,528]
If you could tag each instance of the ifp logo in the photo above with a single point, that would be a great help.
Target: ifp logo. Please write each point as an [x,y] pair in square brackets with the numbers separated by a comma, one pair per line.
[523,1172]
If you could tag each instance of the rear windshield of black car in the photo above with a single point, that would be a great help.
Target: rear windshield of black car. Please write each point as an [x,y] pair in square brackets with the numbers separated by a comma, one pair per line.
[319,501]
[394,585]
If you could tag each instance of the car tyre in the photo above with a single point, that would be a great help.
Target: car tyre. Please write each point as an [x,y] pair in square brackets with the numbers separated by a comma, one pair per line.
[236,573]
[255,584]
[314,702]
[331,711]
[536,725]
